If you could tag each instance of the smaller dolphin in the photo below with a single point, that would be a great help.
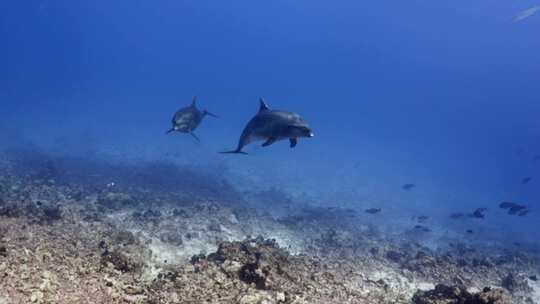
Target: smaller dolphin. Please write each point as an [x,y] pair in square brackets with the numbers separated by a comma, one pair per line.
[271,126]
[187,119]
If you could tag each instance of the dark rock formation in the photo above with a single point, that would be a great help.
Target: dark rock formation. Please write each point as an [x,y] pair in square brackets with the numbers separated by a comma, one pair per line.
[171,238]
[259,262]
[395,256]
[124,238]
[515,283]
[51,213]
[120,261]
[443,294]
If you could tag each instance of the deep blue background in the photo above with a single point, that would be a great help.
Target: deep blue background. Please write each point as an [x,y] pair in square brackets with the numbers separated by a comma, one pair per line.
[444,95]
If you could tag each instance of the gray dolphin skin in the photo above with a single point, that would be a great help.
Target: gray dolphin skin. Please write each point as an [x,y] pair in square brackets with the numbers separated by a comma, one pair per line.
[271,126]
[187,119]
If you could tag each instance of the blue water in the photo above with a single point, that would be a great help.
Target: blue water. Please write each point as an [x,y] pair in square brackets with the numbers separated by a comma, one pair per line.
[442,95]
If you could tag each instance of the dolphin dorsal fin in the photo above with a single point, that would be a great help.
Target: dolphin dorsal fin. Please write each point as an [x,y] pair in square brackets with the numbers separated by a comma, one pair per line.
[263,106]
[194,101]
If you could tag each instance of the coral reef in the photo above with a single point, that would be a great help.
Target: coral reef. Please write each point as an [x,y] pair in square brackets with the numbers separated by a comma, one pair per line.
[68,239]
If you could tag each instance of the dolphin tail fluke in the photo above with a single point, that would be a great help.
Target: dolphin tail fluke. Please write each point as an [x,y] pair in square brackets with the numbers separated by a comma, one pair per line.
[210,114]
[234,152]
[169,131]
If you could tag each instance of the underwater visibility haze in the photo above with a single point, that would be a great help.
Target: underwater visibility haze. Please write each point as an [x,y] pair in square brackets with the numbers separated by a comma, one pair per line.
[415,121]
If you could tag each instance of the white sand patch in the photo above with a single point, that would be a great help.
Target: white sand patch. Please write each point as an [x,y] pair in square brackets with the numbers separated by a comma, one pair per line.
[284,238]
[165,254]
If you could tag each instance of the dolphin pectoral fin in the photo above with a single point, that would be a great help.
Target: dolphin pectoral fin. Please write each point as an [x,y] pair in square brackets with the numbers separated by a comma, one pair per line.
[269,141]
[293,142]
[195,136]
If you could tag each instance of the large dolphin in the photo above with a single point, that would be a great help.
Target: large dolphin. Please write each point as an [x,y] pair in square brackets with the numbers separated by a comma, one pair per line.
[187,119]
[271,126]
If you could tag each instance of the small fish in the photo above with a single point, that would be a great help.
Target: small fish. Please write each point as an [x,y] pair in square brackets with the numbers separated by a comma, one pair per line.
[373,210]
[408,187]
[422,218]
[533,278]
[516,209]
[469,231]
[479,213]
[422,228]
[457,215]
[507,205]
[523,212]
[526,180]
[526,13]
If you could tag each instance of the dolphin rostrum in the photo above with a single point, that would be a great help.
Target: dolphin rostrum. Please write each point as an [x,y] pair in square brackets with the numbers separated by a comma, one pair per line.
[187,119]
[271,126]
